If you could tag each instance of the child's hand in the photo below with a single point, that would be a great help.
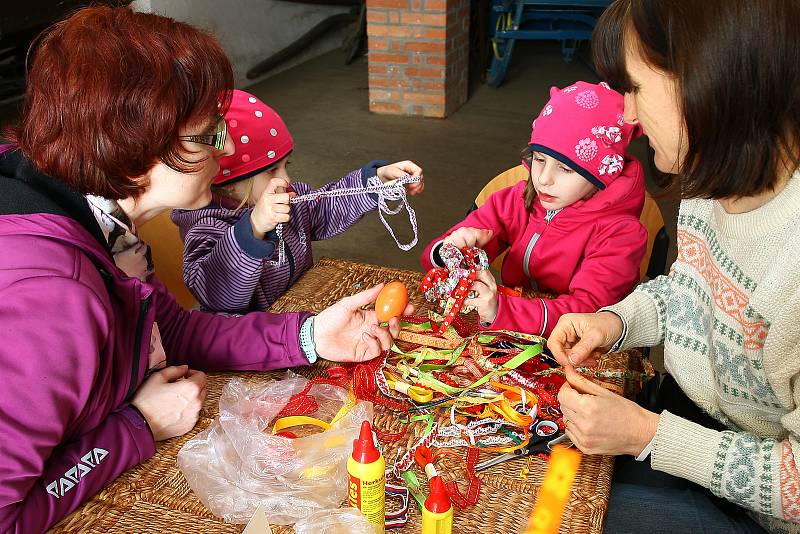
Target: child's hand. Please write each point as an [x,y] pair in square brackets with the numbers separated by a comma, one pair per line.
[133,261]
[469,237]
[400,169]
[483,296]
[271,209]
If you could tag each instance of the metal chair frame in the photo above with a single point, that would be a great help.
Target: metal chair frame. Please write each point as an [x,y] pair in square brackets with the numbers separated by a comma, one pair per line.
[568,21]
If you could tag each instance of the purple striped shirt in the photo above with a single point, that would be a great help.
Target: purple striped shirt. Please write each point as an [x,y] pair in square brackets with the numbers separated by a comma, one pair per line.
[228,269]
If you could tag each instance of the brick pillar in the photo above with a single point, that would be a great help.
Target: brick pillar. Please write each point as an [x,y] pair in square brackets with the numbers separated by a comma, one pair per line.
[418,56]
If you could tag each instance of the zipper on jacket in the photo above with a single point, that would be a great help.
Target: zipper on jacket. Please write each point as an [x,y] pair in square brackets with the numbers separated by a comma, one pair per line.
[137,345]
[532,243]
[290,259]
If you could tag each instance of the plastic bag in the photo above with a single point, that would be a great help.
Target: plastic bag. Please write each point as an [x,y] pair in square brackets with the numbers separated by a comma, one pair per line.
[339,521]
[236,464]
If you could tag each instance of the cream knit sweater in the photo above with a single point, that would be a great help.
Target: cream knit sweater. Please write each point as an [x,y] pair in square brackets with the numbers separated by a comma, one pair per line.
[729,317]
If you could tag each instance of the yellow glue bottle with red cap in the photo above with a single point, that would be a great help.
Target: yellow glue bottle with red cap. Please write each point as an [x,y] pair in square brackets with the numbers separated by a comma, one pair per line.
[437,514]
[366,473]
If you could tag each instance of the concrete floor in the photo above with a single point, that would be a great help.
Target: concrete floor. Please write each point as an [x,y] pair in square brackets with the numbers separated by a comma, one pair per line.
[325,106]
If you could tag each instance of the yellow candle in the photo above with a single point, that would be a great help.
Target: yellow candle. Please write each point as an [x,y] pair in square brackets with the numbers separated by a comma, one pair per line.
[554,493]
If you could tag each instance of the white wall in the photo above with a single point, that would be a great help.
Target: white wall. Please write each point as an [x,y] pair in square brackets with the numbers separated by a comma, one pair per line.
[252,30]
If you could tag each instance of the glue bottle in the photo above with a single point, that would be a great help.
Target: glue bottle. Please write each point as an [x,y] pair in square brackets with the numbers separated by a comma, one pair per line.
[366,485]
[437,514]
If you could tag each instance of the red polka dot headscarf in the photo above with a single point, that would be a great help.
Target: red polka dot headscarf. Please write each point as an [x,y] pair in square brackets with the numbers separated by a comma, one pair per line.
[582,126]
[260,136]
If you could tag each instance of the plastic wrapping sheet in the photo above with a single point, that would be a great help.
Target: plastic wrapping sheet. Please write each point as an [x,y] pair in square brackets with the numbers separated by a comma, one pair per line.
[340,521]
[237,464]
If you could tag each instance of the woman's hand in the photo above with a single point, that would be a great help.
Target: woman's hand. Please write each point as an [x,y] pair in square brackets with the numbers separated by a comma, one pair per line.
[400,169]
[170,400]
[346,333]
[484,299]
[581,338]
[601,422]
[272,208]
[133,261]
[469,237]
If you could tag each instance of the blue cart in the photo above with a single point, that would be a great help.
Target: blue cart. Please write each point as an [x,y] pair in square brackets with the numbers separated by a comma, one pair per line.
[568,21]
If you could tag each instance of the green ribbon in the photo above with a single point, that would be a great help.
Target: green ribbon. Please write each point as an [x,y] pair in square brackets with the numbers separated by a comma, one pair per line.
[424,417]
[411,480]
[511,435]
[426,377]
[423,372]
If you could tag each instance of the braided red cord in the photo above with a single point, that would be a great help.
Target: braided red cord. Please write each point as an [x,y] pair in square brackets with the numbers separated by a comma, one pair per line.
[473,493]
[390,437]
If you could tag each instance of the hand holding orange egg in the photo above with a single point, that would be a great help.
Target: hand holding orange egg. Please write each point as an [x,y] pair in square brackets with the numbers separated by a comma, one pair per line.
[392,300]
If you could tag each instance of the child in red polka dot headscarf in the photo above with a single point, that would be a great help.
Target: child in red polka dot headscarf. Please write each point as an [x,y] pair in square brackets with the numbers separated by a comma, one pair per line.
[231,247]
[572,228]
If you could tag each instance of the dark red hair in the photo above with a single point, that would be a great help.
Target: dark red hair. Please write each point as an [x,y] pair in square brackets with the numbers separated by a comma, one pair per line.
[108,91]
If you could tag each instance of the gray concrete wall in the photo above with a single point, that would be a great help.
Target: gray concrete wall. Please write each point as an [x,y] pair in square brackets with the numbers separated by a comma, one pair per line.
[252,30]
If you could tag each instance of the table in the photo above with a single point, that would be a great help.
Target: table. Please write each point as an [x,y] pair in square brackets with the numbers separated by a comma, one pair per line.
[154,497]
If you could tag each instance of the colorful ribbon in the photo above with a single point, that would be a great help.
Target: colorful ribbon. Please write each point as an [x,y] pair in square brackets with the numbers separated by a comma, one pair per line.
[397,518]
[448,286]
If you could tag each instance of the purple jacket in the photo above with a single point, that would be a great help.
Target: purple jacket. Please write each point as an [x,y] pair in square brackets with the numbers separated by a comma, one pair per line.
[75,334]
[228,269]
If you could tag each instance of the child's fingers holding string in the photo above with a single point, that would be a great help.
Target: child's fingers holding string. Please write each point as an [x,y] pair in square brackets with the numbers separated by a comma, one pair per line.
[281,208]
[487,278]
[277,185]
[409,167]
[478,294]
[412,169]
[417,187]
[279,199]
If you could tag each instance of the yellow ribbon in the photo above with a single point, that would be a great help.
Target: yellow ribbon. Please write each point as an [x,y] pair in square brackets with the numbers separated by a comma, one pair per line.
[429,340]
[507,412]
[297,420]
[416,393]
[515,393]
[334,440]
[346,407]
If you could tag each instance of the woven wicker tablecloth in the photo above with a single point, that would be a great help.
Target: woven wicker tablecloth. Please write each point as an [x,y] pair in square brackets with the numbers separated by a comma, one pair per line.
[154,497]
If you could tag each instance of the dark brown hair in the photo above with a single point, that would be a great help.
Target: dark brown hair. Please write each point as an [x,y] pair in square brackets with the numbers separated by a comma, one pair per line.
[530,192]
[737,64]
[109,89]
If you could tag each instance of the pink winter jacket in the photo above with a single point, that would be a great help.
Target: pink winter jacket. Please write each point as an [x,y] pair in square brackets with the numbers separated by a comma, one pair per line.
[587,253]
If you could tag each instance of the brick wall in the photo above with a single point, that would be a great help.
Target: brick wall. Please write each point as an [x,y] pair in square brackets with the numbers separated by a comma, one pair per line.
[418,56]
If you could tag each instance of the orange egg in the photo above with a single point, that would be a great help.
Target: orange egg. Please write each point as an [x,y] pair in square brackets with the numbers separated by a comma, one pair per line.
[392,300]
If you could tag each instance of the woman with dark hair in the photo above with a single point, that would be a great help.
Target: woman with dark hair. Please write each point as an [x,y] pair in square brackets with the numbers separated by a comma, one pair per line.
[122,120]
[715,85]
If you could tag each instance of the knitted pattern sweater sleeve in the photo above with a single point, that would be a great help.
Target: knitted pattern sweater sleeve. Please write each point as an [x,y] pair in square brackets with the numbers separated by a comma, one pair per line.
[729,316]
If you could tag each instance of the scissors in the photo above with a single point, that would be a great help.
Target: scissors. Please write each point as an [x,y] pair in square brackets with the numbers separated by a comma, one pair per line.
[540,443]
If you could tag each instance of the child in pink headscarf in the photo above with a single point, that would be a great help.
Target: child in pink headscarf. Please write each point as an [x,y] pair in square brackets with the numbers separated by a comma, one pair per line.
[572,228]
[234,258]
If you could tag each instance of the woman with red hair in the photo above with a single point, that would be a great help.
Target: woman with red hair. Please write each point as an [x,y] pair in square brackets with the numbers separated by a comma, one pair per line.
[122,120]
